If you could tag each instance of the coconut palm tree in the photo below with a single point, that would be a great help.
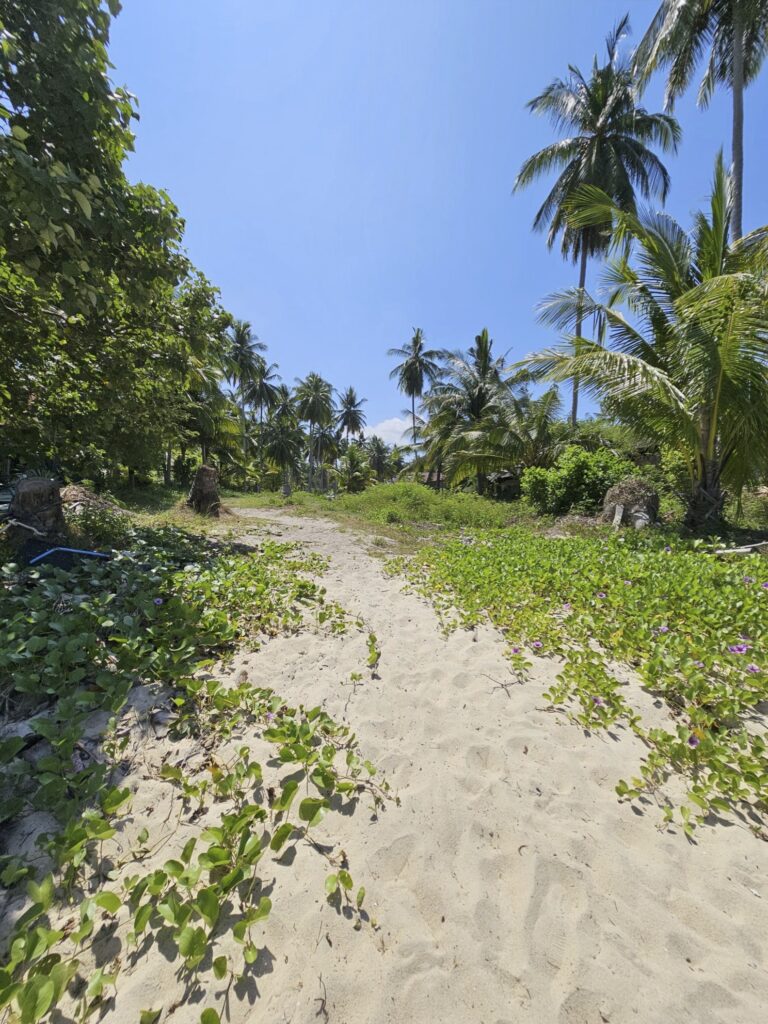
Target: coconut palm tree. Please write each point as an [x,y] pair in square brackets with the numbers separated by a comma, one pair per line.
[606,144]
[460,404]
[284,446]
[355,471]
[688,365]
[736,34]
[242,361]
[262,393]
[350,416]
[314,403]
[378,456]
[419,366]
[324,450]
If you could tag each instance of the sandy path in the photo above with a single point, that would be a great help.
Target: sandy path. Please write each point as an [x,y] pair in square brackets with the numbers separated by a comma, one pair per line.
[510,885]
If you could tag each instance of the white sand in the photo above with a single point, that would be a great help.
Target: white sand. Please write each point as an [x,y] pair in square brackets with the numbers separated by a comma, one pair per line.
[510,885]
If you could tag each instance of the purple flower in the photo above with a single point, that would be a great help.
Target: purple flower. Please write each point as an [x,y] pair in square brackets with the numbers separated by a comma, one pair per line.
[754,669]
[693,741]
[537,644]
[764,585]
[738,648]
[749,579]
[516,650]
[601,594]
[668,549]
[158,600]
[567,607]
[699,664]
[627,583]
[598,702]
[270,716]
[663,629]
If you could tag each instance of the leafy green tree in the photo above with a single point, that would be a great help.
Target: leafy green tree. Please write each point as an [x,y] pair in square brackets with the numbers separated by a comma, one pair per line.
[100,333]
[736,34]
[69,219]
[607,145]
[350,416]
[688,364]
[314,404]
[419,365]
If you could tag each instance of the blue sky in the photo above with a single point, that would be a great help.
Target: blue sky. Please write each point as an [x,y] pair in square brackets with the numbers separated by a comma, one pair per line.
[345,166]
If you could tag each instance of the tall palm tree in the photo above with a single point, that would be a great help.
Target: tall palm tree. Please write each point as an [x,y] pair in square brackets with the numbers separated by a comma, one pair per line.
[350,416]
[314,403]
[284,445]
[242,361]
[689,365]
[378,456]
[419,366]
[736,34]
[262,392]
[606,145]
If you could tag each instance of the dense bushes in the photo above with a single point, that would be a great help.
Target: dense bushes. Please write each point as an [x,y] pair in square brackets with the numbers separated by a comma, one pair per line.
[577,481]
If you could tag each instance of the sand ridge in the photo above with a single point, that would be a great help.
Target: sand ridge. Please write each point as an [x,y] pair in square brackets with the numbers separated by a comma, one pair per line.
[510,885]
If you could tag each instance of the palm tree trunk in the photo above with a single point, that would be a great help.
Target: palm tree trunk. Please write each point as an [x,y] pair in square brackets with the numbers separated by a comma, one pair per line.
[311,474]
[705,505]
[244,431]
[413,415]
[737,145]
[261,446]
[579,321]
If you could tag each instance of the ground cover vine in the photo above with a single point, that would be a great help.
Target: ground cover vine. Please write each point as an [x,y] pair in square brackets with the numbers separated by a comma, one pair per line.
[692,626]
[73,646]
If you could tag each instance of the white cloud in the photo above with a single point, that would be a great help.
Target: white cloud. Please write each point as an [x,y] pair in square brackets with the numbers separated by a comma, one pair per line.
[392,430]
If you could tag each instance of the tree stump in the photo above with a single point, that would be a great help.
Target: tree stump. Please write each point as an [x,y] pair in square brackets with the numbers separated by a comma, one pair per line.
[36,512]
[632,502]
[204,496]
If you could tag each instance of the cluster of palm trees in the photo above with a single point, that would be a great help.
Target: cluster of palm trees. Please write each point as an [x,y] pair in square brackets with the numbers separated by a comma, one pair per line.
[309,435]
[678,351]
[477,416]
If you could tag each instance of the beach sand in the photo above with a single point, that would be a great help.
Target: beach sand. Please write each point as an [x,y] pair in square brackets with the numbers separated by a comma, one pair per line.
[509,885]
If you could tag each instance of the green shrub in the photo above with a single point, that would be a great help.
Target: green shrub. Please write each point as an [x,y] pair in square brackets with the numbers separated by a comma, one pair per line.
[415,504]
[577,482]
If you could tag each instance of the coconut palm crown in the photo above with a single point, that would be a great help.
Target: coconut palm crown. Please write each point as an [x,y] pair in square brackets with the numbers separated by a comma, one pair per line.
[736,34]
[688,360]
[607,145]
[419,365]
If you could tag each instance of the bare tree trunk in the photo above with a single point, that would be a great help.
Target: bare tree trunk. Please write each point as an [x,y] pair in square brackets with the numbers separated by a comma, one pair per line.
[204,496]
[579,322]
[737,145]
[167,466]
[36,512]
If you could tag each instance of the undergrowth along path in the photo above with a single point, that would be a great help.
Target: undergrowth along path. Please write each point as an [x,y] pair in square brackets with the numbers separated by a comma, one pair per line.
[510,884]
